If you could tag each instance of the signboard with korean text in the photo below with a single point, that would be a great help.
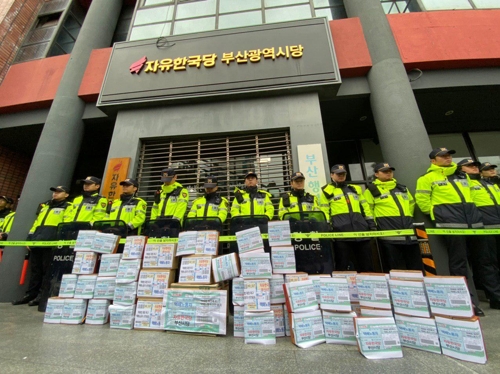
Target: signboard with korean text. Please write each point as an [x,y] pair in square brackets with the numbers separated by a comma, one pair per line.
[292,57]
[312,166]
[116,172]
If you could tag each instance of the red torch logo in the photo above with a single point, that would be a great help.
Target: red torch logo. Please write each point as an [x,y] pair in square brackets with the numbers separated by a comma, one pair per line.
[137,66]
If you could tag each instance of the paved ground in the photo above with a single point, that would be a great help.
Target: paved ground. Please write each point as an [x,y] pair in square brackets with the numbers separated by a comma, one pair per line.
[28,345]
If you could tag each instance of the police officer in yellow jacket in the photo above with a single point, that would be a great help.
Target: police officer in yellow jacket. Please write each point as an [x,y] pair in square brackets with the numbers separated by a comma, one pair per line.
[49,215]
[129,208]
[212,204]
[6,225]
[484,258]
[90,206]
[251,201]
[393,205]
[346,208]
[172,199]
[5,207]
[297,200]
[491,181]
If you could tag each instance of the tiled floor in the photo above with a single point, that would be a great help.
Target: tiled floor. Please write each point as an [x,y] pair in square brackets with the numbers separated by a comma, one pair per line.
[28,345]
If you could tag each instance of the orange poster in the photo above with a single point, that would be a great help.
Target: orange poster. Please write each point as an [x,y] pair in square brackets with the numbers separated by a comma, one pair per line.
[116,172]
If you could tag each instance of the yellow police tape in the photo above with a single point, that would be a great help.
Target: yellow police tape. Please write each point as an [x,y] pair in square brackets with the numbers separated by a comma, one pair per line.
[312,235]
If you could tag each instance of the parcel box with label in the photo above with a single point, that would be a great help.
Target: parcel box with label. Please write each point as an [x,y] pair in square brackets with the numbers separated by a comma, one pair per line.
[283,260]
[186,244]
[85,240]
[373,291]
[351,280]
[160,256]
[334,294]
[409,298]
[307,329]
[85,286]
[207,243]
[97,312]
[279,233]
[339,327]
[196,269]
[259,328]
[134,247]
[74,311]
[226,267]
[68,285]
[449,296]
[148,314]
[153,283]
[105,243]
[125,294]
[54,310]
[256,265]
[121,317]
[105,288]
[378,337]
[109,265]
[257,295]
[249,240]
[300,296]
[419,333]
[128,271]
[84,263]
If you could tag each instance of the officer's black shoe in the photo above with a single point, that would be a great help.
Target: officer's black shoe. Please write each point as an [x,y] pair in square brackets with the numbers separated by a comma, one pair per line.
[478,312]
[495,304]
[35,301]
[25,300]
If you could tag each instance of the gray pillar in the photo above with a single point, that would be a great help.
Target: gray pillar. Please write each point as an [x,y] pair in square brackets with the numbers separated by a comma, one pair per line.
[59,145]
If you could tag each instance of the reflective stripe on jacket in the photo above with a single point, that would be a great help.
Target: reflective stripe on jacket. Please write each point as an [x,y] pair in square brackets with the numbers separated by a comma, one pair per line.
[50,215]
[215,207]
[290,202]
[172,202]
[259,204]
[88,209]
[486,196]
[130,210]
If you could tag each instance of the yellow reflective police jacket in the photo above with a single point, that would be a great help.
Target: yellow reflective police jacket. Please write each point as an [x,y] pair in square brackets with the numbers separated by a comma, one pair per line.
[252,203]
[297,201]
[88,208]
[130,209]
[170,202]
[6,225]
[49,215]
[210,205]
[486,196]
[445,194]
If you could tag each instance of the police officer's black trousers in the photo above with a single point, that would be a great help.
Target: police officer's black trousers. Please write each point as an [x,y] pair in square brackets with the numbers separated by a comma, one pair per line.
[360,250]
[401,256]
[484,264]
[40,260]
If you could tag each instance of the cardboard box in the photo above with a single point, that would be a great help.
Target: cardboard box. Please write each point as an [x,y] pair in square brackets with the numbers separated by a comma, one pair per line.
[297,277]
[187,243]
[74,311]
[279,319]
[207,243]
[408,297]
[259,328]
[283,260]
[196,311]
[153,283]
[54,310]
[160,256]
[373,291]
[412,275]
[249,240]
[85,286]
[257,295]
[84,263]
[196,269]
[378,338]
[334,295]
[226,267]
[339,327]
[109,265]
[449,296]
[128,271]
[148,314]
[125,294]
[68,285]
[300,297]
[276,287]
[121,317]
[214,286]
[134,247]
[239,321]
[279,233]
[105,243]
[288,331]
[374,312]
[238,291]
[462,339]
[256,265]
[316,279]
[85,240]
[418,333]
[97,312]
[351,280]
[105,288]
[307,329]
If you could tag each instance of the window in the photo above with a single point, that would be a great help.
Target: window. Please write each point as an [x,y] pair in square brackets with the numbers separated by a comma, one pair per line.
[288,14]
[486,146]
[226,6]
[240,19]
[446,4]
[398,6]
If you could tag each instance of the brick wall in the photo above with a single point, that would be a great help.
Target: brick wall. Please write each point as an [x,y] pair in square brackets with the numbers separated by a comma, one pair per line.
[14,167]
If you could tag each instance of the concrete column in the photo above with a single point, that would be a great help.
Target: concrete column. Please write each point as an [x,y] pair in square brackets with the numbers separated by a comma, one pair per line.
[59,145]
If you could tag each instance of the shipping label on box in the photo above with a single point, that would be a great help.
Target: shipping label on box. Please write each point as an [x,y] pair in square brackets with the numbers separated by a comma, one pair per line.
[207,243]
[153,283]
[74,311]
[238,291]
[187,243]
[121,317]
[195,311]
[374,312]
[279,319]
[334,294]
[85,263]
[128,271]
[288,331]
[196,269]
[373,291]
[85,240]
[419,333]
[449,296]
[105,243]
[256,265]
[316,279]
[307,329]
[283,260]
[339,328]
[297,277]
[97,312]
[408,297]
[54,310]
[225,267]
[239,321]
[68,285]
[378,337]
[276,287]
[351,280]
[160,256]
[85,286]
[125,294]
[148,314]
[300,296]
[462,339]
[109,265]
[279,233]
[249,240]
[105,288]
[134,247]
[259,328]
[257,295]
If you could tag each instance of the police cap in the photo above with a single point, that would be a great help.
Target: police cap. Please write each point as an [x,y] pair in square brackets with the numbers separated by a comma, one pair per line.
[90,180]
[129,182]
[167,174]
[487,166]
[468,162]
[440,152]
[60,189]
[383,166]
[7,199]
[338,169]
[251,173]
[210,182]
[297,175]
